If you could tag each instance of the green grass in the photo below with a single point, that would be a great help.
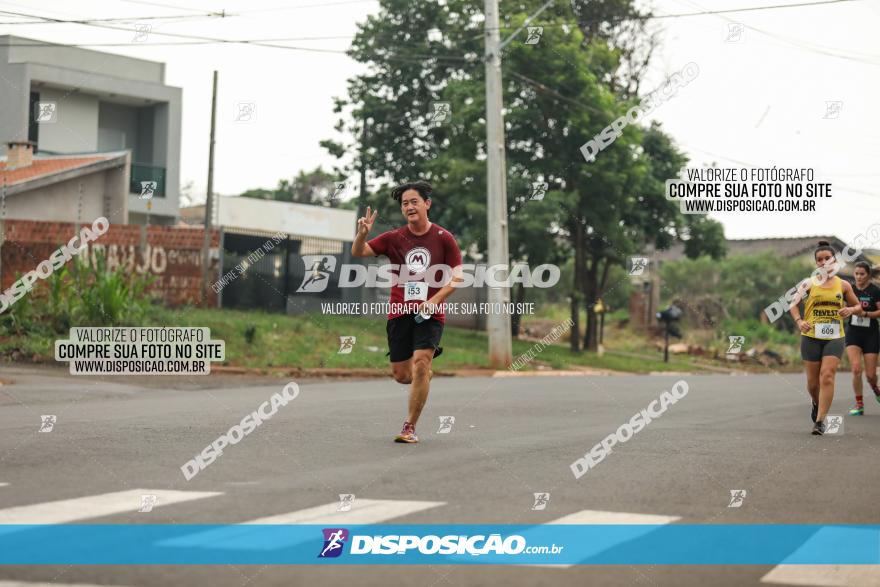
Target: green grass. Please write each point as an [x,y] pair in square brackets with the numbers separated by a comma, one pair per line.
[312,341]
[261,340]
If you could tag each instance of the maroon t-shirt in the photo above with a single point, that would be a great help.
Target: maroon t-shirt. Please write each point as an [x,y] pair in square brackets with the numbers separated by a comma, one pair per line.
[418,253]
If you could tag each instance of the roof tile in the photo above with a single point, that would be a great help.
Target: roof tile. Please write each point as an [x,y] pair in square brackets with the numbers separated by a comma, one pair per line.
[43,167]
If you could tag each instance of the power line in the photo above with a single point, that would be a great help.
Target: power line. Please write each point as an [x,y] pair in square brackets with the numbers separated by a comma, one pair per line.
[822,51]
[551,92]
[690,14]
[257,43]
[802,45]
[297,7]
[175,35]
[747,164]
[409,57]
[750,9]
[169,43]
[145,3]
[114,19]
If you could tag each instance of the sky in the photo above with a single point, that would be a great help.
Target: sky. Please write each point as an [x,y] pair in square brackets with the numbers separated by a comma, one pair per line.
[760,98]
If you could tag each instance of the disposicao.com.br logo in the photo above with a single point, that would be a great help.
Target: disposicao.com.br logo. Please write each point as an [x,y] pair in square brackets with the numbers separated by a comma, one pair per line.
[320,269]
[451,544]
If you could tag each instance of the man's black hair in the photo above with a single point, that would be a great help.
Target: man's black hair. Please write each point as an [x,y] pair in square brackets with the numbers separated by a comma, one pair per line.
[423,187]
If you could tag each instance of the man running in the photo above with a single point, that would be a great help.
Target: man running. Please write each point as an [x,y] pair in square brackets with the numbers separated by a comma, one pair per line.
[863,337]
[422,248]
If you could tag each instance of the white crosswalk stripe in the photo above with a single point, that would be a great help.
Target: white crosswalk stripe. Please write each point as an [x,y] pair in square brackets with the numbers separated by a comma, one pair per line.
[599,517]
[825,575]
[364,511]
[94,506]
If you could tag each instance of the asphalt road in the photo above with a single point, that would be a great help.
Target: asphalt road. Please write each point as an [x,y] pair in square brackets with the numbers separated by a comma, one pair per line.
[511,437]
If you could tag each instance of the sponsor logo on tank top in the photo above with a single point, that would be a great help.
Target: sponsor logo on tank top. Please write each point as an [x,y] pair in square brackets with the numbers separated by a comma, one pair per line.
[827,303]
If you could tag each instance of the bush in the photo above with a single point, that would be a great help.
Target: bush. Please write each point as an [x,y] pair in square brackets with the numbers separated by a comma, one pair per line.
[756,331]
[81,294]
[734,289]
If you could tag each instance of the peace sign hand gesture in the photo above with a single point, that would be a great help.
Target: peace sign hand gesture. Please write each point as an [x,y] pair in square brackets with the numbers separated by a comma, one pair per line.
[365,223]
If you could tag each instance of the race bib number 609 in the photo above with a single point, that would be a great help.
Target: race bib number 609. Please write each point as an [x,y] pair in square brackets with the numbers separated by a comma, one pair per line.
[828,330]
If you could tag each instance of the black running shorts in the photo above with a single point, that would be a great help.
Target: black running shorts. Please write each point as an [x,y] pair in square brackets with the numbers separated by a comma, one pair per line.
[813,349]
[405,335]
[864,337]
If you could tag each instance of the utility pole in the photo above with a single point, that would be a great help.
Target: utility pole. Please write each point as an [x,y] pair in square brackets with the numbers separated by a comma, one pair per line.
[362,197]
[500,345]
[209,202]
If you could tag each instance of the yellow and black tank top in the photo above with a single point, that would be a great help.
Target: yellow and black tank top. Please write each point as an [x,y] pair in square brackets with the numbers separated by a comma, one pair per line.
[820,310]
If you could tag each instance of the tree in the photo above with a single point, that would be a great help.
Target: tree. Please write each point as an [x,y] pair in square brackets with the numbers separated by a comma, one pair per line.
[704,237]
[558,94]
[316,187]
[737,287]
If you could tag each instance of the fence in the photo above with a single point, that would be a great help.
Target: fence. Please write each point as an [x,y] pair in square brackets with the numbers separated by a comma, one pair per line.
[172,255]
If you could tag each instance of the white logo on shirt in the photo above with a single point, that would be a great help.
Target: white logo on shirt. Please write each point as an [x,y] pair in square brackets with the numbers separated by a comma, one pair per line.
[418,259]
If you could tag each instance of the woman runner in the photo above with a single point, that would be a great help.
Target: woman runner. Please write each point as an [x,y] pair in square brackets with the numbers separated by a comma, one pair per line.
[826,302]
[863,336]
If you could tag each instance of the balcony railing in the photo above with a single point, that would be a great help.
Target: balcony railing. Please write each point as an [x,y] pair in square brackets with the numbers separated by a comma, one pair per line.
[147,173]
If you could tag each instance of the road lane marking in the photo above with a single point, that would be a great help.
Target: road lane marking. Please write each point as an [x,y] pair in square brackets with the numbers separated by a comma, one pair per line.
[792,573]
[94,506]
[599,517]
[825,575]
[364,511]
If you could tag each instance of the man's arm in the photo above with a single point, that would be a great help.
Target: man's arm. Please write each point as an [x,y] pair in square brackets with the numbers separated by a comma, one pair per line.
[360,248]
[453,255]
[444,292]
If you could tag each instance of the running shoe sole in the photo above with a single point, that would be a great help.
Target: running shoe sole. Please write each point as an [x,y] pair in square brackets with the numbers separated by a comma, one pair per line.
[818,429]
[406,439]
[857,412]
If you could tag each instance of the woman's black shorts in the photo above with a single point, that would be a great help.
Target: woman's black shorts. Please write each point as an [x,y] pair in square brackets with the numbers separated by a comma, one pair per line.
[813,349]
[866,338]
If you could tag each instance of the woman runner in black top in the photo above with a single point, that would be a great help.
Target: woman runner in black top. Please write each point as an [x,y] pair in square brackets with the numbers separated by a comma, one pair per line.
[863,336]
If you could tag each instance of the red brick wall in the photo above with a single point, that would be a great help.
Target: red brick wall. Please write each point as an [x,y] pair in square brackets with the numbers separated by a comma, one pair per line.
[172,254]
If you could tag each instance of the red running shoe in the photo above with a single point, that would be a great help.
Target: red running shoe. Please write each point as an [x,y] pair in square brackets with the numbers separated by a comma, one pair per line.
[407,435]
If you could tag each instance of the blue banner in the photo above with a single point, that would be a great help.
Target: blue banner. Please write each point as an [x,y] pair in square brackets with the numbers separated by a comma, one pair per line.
[254,544]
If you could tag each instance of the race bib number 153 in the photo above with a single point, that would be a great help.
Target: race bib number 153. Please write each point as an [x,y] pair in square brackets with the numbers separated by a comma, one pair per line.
[416,290]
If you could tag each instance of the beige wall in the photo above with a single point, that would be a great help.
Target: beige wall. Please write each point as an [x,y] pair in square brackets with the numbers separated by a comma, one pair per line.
[60,201]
